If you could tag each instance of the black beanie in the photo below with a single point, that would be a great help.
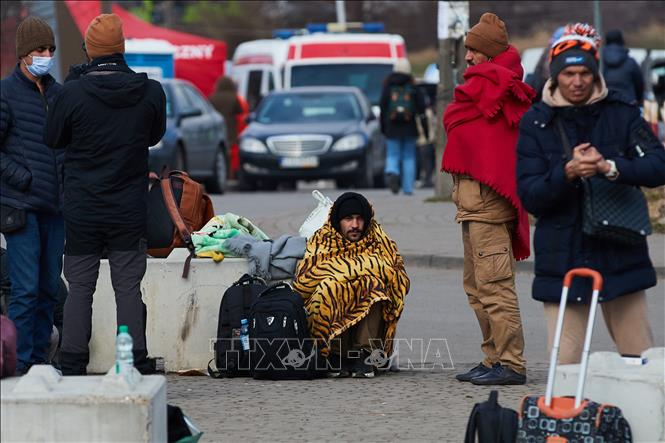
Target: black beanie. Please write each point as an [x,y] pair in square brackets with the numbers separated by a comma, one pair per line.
[572,52]
[350,203]
[614,37]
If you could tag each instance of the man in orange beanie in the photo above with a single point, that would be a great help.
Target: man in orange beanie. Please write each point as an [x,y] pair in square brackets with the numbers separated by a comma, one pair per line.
[105,120]
[482,128]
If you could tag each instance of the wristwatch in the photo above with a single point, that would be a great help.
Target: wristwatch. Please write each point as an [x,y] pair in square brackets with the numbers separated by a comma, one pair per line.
[613,173]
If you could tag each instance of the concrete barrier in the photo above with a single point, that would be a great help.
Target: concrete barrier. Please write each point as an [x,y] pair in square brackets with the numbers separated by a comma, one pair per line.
[44,406]
[639,390]
[182,313]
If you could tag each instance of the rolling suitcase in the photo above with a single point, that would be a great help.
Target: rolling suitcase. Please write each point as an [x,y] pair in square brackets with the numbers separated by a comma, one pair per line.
[565,419]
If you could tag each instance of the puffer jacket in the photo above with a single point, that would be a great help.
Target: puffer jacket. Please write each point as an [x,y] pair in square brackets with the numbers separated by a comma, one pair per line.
[613,126]
[622,73]
[31,173]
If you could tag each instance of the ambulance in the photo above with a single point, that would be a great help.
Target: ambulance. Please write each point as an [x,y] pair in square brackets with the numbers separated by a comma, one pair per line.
[333,54]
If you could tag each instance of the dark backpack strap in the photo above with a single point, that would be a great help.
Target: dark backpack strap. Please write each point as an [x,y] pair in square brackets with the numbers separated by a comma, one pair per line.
[470,436]
[213,373]
[174,213]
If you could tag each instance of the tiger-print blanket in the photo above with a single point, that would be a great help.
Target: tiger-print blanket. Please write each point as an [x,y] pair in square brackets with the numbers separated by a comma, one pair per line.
[340,280]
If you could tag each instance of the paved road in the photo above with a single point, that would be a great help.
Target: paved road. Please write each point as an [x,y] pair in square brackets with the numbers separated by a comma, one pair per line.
[426,233]
[411,405]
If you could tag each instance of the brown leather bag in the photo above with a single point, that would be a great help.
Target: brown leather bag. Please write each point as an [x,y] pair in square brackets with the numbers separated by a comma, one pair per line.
[176,208]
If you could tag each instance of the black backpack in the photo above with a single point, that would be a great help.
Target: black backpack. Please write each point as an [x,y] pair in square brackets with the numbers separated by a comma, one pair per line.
[491,422]
[230,359]
[280,344]
[401,105]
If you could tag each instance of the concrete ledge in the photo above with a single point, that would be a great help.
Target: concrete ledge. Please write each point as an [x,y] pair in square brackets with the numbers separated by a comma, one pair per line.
[182,313]
[639,390]
[44,406]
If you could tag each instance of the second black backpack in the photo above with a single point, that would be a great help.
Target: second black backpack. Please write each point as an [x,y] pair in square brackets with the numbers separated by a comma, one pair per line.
[281,347]
[230,359]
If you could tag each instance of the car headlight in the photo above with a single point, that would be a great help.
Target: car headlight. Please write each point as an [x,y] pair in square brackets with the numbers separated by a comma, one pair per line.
[349,142]
[253,145]
[159,145]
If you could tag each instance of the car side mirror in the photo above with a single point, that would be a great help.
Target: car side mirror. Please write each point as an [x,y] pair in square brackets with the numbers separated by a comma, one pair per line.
[187,113]
[250,117]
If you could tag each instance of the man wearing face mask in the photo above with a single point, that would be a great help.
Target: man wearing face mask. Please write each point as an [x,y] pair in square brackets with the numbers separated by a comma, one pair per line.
[31,176]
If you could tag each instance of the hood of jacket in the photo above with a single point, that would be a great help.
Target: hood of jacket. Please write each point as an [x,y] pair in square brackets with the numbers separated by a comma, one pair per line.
[614,55]
[510,59]
[225,84]
[398,79]
[110,81]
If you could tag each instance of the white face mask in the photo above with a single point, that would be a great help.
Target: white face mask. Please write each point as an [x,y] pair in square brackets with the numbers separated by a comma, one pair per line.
[40,65]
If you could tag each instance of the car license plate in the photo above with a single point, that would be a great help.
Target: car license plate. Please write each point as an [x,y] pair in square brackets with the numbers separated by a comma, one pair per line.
[299,162]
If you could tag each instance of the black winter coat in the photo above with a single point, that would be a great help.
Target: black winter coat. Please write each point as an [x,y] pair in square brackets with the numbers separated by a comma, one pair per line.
[31,172]
[622,73]
[612,126]
[392,129]
[106,120]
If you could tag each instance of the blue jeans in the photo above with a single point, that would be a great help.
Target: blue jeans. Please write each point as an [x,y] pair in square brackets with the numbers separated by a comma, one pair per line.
[34,259]
[401,152]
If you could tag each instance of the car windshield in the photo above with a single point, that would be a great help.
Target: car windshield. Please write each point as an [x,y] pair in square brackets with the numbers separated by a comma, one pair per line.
[309,108]
[367,77]
[169,103]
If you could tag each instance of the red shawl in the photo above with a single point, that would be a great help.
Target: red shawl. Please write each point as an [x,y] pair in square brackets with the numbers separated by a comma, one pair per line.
[482,127]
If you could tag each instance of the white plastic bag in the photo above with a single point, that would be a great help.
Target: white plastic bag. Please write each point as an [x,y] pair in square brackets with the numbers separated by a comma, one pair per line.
[317,217]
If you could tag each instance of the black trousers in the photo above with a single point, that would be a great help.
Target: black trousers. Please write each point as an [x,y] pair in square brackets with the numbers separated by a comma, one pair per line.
[85,246]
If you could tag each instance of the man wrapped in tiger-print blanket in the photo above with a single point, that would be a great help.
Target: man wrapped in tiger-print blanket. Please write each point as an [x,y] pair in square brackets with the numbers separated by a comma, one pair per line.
[352,272]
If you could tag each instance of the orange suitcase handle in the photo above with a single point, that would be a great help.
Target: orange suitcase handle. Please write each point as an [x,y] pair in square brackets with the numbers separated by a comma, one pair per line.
[584,272]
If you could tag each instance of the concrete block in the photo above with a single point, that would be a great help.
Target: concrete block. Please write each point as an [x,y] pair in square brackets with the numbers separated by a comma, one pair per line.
[639,390]
[182,313]
[44,406]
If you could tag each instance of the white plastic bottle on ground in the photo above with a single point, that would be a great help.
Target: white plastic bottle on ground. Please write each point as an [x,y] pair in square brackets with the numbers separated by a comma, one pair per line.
[124,357]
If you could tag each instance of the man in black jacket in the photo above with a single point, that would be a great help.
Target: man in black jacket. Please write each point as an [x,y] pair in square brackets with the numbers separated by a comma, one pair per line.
[105,120]
[31,193]
[621,72]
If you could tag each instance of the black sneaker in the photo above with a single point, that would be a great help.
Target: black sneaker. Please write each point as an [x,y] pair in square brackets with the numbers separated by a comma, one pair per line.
[500,375]
[480,369]
[361,367]
[393,183]
[337,367]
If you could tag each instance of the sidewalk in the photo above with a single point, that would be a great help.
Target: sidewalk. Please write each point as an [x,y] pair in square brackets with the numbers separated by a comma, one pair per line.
[426,233]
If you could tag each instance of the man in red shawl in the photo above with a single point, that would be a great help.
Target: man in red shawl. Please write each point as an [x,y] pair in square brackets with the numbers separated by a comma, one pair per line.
[482,128]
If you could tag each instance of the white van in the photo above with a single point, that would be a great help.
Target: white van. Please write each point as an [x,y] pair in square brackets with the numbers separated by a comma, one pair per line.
[258,67]
[317,59]
[347,59]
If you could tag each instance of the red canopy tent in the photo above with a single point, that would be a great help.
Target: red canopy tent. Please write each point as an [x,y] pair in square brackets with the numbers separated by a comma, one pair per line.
[197,59]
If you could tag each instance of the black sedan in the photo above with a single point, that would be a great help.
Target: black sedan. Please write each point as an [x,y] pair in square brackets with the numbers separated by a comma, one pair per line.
[312,133]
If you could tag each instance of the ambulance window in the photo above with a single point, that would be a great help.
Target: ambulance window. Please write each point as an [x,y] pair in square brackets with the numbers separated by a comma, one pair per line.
[254,89]
[271,82]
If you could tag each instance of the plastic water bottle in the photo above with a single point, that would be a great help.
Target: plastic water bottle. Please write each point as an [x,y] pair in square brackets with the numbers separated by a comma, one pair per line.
[124,358]
[244,334]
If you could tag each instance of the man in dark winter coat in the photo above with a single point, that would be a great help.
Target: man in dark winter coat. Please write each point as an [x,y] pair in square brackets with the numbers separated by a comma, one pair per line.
[401,104]
[105,120]
[621,72]
[603,130]
[31,193]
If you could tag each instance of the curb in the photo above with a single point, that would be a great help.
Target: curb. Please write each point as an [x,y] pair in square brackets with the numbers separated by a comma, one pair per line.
[446,262]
